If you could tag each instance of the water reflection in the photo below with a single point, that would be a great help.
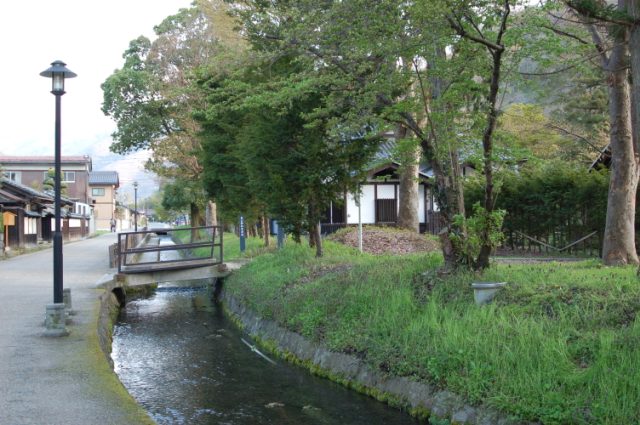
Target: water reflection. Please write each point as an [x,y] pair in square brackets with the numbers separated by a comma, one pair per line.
[185,363]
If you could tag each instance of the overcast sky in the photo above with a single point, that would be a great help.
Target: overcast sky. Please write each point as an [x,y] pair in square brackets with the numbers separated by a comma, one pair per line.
[90,37]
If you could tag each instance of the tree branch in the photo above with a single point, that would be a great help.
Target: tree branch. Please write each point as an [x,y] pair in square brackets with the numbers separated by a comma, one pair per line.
[459,29]
[573,21]
[572,134]
[473,24]
[558,71]
[503,23]
[566,34]
[590,13]
[427,111]
[599,45]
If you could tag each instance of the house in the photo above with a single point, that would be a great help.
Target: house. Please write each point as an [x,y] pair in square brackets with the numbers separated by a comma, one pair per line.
[31,171]
[28,216]
[103,186]
[22,212]
[379,202]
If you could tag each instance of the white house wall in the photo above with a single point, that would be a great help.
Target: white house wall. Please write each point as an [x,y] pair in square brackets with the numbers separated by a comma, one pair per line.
[386,191]
[367,202]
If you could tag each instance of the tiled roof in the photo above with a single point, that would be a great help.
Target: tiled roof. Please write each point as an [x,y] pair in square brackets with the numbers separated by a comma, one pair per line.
[386,154]
[104,178]
[42,159]
[26,189]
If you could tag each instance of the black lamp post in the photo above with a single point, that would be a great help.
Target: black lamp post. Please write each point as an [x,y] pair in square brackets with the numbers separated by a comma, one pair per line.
[57,72]
[135,206]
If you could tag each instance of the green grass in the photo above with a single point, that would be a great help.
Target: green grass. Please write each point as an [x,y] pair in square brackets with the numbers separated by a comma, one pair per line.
[230,242]
[558,345]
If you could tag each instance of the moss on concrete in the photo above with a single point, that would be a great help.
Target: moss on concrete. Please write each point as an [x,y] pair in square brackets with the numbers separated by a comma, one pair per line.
[271,346]
[104,381]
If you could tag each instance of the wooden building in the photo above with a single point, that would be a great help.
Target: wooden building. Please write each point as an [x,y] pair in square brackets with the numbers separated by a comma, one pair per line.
[28,217]
[31,171]
[379,202]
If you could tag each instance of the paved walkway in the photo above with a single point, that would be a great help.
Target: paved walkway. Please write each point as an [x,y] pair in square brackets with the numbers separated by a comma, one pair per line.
[57,381]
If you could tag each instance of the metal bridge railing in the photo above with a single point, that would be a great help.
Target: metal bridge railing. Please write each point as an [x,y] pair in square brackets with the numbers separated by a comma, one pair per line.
[168,248]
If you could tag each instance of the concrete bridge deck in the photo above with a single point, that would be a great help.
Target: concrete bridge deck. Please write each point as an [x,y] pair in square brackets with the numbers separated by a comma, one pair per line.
[149,278]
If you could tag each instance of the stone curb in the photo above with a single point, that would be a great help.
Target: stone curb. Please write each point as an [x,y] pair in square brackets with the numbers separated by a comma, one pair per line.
[414,395]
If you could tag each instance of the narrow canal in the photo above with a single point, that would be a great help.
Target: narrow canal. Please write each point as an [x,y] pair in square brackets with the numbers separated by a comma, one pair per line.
[186,363]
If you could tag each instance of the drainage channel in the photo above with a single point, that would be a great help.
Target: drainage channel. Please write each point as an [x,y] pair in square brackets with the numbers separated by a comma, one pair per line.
[184,361]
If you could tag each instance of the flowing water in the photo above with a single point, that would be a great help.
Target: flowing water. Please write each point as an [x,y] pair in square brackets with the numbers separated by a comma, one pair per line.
[186,363]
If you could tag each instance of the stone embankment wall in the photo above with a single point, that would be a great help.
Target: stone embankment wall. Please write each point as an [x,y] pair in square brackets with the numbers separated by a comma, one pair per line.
[419,399]
[109,307]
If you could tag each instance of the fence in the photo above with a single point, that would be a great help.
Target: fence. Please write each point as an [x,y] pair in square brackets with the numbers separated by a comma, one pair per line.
[560,241]
[166,248]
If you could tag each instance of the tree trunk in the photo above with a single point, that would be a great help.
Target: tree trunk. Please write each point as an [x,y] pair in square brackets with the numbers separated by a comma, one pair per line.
[196,215]
[633,8]
[449,197]
[619,234]
[318,238]
[297,231]
[312,236]
[212,214]
[482,262]
[196,220]
[315,235]
[409,186]
[265,229]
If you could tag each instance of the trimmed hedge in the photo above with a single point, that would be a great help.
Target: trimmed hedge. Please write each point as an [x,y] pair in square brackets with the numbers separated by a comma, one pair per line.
[556,203]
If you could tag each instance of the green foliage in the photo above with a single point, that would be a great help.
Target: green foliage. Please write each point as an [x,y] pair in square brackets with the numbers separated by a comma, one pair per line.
[558,73]
[482,228]
[153,96]
[132,99]
[49,183]
[556,202]
[558,345]
[183,195]
[231,242]
[384,64]
[527,133]
[262,156]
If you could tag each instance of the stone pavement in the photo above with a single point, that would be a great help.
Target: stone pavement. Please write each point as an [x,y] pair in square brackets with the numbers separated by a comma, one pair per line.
[65,380]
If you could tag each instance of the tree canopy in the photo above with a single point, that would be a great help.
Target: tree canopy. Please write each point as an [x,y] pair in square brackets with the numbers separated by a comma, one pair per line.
[278,109]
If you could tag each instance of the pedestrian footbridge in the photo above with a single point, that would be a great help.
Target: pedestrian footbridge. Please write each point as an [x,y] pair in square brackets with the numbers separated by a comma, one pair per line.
[171,255]
[163,249]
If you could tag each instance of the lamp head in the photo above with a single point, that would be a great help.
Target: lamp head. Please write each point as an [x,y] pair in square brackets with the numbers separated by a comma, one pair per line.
[58,72]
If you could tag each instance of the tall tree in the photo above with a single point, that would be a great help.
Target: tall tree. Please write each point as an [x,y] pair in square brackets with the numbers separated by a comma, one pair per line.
[388,60]
[288,165]
[152,98]
[611,28]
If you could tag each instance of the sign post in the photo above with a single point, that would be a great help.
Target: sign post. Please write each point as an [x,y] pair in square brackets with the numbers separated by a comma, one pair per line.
[243,235]
[280,236]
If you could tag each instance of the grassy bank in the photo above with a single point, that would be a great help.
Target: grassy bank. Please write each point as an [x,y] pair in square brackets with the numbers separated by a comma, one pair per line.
[230,242]
[559,344]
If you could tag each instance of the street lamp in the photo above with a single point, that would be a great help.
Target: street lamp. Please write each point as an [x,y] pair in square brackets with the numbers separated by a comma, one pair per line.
[57,72]
[135,206]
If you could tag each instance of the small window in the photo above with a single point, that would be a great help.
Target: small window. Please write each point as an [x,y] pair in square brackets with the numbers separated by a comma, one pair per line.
[14,176]
[97,191]
[69,176]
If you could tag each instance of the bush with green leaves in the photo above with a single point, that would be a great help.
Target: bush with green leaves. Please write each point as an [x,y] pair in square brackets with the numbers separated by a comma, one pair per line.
[482,228]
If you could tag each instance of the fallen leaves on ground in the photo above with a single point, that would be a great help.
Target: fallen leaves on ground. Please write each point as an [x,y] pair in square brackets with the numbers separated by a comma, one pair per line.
[380,241]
